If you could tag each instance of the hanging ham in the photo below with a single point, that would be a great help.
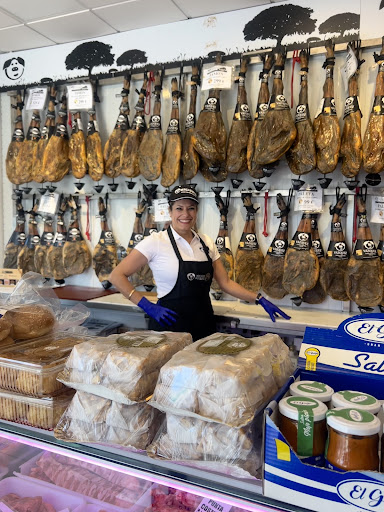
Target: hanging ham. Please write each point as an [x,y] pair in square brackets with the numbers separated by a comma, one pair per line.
[301,156]
[149,228]
[210,137]
[256,170]
[351,151]
[301,265]
[151,147]
[190,157]
[56,163]
[373,144]
[222,241]
[136,237]
[41,251]
[129,156]
[241,126]
[171,163]
[112,148]
[55,251]
[24,159]
[105,252]
[15,145]
[26,257]
[17,240]
[249,259]
[273,267]
[95,159]
[363,278]
[326,125]
[278,129]
[332,273]
[317,294]
[77,148]
[76,255]
[46,133]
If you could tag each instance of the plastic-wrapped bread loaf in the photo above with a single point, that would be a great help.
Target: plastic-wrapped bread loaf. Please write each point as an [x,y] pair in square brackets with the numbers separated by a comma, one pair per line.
[91,419]
[223,378]
[123,368]
[206,444]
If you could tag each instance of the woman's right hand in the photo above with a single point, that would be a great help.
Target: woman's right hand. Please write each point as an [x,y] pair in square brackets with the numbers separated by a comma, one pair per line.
[163,316]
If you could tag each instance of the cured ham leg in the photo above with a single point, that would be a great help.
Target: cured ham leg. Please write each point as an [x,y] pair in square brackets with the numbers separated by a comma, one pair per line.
[77,148]
[55,251]
[46,133]
[26,257]
[189,156]
[15,145]
[24,159]
[105,252]
[17,240]
[95,159]
[76,255]
[171,164]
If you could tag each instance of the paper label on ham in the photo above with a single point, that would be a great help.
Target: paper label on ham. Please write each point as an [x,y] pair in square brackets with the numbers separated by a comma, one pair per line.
[92,127]
[32,241]
[59,239]
[74,235]
[47,131]
[212,105]
[329,107]
[106,238]
[336,227]
[33,133]
[362,221]
[242,112]
[318,248]
[278,248]
[338,251]
[262,109]
[301,241]
[351,105]
[18,135]
[155,122]
[378,106]
[173,127]
[61,131]
[18,238]
[248,242]
[139,123]
[77,126]
[122,122]
[190,121]
[302,113]
[135,239]
[47,239]
[278,102]
[365,250]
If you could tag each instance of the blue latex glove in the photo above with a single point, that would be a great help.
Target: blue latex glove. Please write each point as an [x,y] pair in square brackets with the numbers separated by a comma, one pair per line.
[163,316]
[272,310]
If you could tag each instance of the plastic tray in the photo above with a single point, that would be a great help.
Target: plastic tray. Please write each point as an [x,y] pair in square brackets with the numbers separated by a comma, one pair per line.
[36,412]
[142,503]
[59,499]
[31,368]
[12,453]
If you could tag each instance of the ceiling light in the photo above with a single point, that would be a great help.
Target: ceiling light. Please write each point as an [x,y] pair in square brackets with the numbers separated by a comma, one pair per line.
[13,26]
[58,17]
[113,5]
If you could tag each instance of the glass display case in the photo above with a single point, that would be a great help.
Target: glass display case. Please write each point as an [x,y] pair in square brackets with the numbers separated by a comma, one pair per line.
[47,475]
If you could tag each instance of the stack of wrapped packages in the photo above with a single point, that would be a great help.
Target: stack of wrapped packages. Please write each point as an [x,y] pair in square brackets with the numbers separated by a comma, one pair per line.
[114,377]
[211,392]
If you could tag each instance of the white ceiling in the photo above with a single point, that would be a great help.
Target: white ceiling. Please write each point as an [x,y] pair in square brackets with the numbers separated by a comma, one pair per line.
[26,24]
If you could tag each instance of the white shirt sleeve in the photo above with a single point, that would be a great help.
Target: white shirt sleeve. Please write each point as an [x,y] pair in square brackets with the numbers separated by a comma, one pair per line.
[149,246]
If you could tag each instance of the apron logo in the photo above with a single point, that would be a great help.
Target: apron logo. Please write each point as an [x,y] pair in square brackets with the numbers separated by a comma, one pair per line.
[191,276]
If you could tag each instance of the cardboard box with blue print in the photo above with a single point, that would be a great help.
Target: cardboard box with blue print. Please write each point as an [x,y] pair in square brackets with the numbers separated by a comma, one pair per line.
[348,358]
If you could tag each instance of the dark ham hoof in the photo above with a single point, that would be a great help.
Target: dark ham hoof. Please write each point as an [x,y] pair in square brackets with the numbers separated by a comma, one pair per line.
[42,190]
[324,182]
[106,284]
[51,188]
[297,300]
[27,190]
[297,184]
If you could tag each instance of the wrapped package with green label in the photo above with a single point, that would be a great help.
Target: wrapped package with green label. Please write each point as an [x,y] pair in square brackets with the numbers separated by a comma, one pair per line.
[223,378]
[122,367]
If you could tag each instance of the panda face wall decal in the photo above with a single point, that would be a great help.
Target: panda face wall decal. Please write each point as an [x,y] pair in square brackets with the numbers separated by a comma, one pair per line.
[14,68]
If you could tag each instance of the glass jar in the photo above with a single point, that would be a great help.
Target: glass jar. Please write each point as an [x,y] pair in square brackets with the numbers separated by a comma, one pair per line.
[353,440]
[362,401]
[312,389]
[302,423]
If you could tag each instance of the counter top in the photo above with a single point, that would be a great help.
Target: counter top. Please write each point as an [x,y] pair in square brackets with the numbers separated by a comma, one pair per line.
[81,293]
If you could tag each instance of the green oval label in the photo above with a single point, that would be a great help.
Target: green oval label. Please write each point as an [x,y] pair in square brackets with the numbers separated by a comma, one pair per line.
[312,387]
[358,398]
[228,345]
[353,415]
[140,340]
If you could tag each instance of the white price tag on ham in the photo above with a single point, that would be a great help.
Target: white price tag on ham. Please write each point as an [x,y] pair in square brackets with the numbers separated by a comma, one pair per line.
[349,67]
[207,505]
[309,200]
[49,203]
[36,98]
[377,209]
[80,97]
[161,210]
[217,77]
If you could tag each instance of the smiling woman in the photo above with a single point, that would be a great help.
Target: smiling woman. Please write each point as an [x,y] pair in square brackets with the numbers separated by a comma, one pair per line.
[183,264]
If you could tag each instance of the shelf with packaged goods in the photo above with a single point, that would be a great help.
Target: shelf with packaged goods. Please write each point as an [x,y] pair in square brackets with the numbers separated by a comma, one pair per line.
[246,494]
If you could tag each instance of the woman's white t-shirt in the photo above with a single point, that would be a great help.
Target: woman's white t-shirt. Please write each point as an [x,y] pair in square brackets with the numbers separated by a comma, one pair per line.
[163,262]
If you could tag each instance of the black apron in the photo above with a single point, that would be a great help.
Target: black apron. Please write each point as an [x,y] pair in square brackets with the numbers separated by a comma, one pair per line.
[189,298]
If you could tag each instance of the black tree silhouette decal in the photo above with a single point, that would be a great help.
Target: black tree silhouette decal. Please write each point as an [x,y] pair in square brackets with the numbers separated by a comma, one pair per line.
[88,55]
[340,23]
[381,4]
[131,57]
[279,21]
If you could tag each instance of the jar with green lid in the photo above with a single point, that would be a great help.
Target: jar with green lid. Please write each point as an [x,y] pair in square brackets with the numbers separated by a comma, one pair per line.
[356,399]
[312,389]
[353,440]
[302,423]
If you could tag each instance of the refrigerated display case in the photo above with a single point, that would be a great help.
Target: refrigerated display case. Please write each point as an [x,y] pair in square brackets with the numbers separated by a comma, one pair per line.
[93,478]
